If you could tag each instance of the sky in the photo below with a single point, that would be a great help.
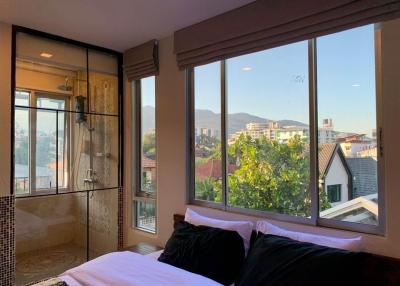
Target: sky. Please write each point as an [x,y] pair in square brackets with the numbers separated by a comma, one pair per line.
[273,84]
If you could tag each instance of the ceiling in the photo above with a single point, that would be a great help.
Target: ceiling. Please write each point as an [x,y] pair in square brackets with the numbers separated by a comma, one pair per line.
[116,24]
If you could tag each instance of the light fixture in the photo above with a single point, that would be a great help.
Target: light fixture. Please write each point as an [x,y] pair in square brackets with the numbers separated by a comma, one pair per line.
[46,55]
[355,85]
[247,68]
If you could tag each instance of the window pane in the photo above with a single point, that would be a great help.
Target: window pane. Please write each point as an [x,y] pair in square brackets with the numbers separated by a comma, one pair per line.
[45,150]
[148,172]
[347,126]
[268,134]
[145,215]
[46,164]
[207,124]
[21,179]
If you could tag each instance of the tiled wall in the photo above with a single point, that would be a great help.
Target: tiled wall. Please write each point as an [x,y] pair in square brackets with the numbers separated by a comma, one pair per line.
[7,241]
[120,218]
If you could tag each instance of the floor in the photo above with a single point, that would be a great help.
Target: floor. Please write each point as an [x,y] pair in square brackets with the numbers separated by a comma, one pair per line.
[40,264]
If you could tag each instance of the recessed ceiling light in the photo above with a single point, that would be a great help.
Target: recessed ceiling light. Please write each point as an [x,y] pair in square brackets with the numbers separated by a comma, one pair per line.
[247,68]
[355,85]
[46,55]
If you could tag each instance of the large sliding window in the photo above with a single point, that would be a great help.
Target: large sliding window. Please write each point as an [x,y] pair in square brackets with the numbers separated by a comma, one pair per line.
[290,132]
[39,145]
[144,216]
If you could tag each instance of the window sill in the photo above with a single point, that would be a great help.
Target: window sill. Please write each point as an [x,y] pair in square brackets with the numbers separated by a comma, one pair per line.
[320,223]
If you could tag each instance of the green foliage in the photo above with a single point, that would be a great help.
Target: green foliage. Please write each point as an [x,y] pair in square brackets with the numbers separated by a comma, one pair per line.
[147,184]
[210,146]
[270,176]
[149,144]
[208,190]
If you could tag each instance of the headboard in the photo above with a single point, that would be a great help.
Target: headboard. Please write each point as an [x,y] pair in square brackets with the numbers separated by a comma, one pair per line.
[379,270]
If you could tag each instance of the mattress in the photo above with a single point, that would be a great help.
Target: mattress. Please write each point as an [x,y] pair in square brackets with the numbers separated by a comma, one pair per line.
[131,269]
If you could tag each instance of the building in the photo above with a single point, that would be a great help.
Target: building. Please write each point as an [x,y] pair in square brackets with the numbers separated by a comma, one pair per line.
[212,169]
[335,176]
[364,171]
[149,174]
[357,145]
[274,131]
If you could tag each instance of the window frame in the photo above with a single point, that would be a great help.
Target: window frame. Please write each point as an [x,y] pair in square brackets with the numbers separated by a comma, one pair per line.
[139,195]
[32,115]
[337,188]
[315,219]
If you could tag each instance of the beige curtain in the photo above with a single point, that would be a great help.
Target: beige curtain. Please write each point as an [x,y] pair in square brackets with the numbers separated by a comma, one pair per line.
[270,23]
[141,61]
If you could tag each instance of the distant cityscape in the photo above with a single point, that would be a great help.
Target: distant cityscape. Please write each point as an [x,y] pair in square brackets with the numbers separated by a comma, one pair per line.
[353,144]
[347,162]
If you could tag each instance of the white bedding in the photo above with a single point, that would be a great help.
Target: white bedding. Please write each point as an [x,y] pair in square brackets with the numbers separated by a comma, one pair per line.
[131,269]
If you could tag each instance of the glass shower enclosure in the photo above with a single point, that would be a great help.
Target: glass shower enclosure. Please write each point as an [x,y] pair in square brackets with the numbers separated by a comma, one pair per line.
[66,154]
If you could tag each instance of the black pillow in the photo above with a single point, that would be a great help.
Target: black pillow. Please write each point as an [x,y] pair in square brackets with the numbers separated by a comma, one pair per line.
[212,252]
[275,260]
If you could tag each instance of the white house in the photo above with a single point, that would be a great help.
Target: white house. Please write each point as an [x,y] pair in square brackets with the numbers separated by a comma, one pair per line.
[335,175]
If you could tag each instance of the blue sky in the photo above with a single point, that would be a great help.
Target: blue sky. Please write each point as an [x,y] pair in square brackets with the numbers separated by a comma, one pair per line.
[148,91]
[274,83]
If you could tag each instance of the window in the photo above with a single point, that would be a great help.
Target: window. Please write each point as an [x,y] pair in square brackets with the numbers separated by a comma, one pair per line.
[269,88]
[347,95]
[207,143]
[255,147]
[334,193]
[146,173]
[36,144]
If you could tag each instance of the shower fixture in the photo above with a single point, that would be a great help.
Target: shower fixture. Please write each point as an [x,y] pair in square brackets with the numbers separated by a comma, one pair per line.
[80,109]
[90,173]
[66,86]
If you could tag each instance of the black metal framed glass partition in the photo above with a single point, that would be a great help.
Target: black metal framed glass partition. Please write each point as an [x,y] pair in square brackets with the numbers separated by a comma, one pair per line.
[66,158]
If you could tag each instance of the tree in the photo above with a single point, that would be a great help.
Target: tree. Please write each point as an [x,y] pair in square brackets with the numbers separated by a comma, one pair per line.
[208,189]
[271,176]
[149,144]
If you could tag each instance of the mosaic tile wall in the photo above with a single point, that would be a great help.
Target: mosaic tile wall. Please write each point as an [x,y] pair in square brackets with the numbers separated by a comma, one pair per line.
[7,241]
[120,218]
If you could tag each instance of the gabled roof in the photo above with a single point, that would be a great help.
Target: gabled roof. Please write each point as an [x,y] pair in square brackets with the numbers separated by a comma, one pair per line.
[361,209]
[326,154]
[148,163]
[364,172]
[212,169]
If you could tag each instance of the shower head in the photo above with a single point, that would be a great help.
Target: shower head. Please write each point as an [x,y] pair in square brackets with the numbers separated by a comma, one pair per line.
[65,87]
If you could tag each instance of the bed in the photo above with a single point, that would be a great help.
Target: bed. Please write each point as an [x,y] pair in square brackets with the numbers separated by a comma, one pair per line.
[129,268]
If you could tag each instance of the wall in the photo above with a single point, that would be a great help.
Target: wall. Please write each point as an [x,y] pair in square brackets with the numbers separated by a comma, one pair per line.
[170,145]
[7,216]
[171,163]
[337,175]
[5,110]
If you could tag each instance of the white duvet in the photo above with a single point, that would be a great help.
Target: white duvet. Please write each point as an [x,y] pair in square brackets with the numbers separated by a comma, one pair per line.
[131,269]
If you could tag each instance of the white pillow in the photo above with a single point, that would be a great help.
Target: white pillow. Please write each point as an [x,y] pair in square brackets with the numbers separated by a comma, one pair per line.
[243,228]
[352,244]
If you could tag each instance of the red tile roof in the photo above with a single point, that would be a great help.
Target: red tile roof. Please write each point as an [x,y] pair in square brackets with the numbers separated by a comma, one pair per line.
[148,163]
[212,168]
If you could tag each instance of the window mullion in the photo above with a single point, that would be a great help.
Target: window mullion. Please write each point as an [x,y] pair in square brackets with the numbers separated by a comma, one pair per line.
[32,142]
[224,157]
[138,113]
[313,113]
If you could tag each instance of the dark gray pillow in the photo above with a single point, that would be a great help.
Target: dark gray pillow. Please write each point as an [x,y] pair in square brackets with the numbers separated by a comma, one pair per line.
[212,252]
[280,261]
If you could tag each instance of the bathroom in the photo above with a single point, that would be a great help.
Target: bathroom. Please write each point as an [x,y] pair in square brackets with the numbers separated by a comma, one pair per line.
[66,154]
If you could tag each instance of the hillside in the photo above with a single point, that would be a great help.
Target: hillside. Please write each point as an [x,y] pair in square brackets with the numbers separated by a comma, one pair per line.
[209,119]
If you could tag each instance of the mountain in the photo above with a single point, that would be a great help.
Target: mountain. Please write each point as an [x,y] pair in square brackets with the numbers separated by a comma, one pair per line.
[208,119]
[148,118]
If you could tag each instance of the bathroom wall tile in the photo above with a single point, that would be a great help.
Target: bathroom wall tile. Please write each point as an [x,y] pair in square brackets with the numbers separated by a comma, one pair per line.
[7,241]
